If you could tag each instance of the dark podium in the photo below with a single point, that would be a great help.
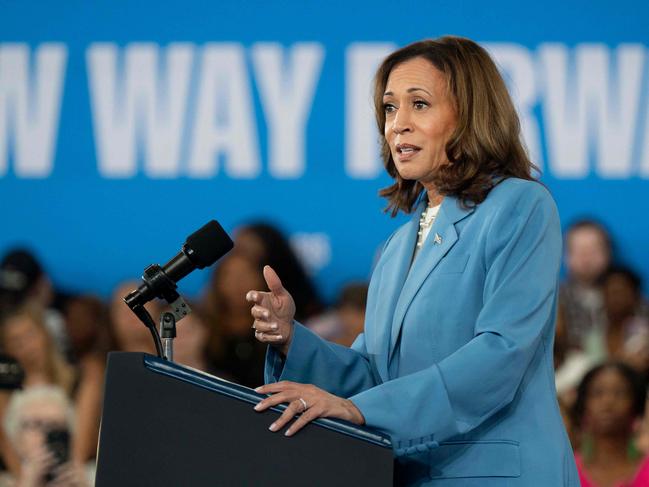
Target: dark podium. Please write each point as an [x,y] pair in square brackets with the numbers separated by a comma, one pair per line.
[166,425]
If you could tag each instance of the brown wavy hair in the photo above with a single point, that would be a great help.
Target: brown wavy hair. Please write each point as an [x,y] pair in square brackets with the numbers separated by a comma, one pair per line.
[486,145]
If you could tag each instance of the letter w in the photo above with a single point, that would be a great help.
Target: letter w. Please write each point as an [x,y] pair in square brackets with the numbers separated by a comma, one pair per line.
[140,108]
[30,104]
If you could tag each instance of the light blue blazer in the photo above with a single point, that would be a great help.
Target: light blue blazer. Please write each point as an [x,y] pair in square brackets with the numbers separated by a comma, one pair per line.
[455,362]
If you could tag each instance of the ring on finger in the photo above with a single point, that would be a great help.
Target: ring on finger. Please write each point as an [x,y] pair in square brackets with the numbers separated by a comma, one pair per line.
[304,404]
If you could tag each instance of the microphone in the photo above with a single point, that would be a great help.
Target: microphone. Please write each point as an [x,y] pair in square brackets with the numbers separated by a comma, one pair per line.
[201,249]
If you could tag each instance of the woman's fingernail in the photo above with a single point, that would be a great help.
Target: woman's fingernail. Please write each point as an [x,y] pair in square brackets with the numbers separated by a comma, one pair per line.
[288,432]
[257,406]
[258,389]
[273,427]
[273,326]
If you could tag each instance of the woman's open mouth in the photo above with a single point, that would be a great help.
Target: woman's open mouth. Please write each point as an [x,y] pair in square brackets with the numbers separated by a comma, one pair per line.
[407,151]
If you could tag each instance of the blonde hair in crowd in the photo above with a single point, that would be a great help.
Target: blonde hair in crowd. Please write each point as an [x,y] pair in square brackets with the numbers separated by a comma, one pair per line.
[58,371]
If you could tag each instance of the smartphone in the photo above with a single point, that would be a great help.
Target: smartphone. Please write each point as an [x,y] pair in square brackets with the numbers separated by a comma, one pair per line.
[57,442]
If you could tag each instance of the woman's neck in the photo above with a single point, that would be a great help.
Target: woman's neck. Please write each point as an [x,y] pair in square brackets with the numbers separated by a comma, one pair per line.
[434,198]
[610,449]
[36,379]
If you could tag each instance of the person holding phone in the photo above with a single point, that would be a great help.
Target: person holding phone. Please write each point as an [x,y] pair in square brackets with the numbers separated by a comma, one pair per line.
[39,422]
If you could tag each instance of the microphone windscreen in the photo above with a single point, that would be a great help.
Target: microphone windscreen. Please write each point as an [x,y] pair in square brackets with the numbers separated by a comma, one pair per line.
[207,244]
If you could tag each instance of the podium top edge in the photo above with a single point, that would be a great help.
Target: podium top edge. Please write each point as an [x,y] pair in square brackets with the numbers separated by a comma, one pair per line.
[236,391]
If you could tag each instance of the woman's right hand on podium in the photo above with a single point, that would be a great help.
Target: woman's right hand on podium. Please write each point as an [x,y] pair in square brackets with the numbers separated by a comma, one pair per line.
[273,312]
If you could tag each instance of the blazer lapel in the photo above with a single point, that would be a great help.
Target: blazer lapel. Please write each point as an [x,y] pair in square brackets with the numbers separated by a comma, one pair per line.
[441,239]
[396,262]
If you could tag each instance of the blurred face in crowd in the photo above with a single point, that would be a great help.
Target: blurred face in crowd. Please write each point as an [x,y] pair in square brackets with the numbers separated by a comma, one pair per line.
[26,341]
[609,405]
[237,275]
[130,332]
[249,245]
[588,254]
[419,118]
[620,296]
[82,321]
[36,419]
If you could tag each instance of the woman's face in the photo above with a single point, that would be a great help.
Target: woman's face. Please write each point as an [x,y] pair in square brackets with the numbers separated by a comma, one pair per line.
[35,420]
[25,341]
[238,275]
[619,295]
[249,244]
[609,404]
[587,254]
[420,118]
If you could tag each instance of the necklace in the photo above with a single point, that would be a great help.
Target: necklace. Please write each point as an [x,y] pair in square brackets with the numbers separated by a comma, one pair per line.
[425,222]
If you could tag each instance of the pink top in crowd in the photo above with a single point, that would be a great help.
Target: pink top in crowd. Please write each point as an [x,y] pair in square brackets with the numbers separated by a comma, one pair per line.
[641,478]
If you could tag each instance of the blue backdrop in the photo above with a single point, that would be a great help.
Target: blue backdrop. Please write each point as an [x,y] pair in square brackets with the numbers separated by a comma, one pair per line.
[124,126]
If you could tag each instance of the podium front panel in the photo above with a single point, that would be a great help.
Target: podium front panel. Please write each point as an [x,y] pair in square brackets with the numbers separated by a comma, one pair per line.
[168,425]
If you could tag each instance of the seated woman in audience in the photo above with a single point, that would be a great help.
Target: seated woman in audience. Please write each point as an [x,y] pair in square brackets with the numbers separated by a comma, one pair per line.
[265,244]
[588,250]
[627,331]
[23,281]
[39,422]
[610,403]
[24,337]
[233,350]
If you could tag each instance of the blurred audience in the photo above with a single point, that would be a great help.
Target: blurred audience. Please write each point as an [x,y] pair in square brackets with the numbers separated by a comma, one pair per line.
[581,315]
[86,323]
[627,330]
[602,316]
[266,245]
[588,256]
[23,281]
[40,423]
[232,347]
[345,321]
[86,319]
[192,335]
[24,336]
[609,408]
[570,365]
[127,332]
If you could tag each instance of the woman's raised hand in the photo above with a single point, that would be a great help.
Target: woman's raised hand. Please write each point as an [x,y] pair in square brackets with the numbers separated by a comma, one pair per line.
[273,312]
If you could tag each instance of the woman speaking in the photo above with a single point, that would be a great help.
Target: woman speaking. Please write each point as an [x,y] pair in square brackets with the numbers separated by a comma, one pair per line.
[455,362]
